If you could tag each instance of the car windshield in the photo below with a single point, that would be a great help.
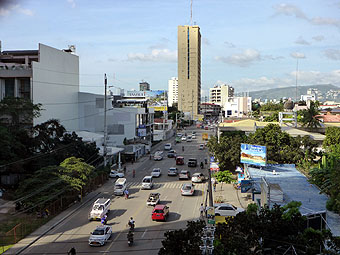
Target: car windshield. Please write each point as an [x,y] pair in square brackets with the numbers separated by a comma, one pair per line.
[147,180]
[98,207]
[119,186]
[156,170]
[172,169]
[184,172]
[98,232]
[158,211]
[186,187]
[196,175]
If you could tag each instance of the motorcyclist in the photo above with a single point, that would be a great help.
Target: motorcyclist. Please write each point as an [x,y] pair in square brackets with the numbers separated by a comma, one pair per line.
[201,165]
[182,148]
[104,219]
[205,161]
[131,223]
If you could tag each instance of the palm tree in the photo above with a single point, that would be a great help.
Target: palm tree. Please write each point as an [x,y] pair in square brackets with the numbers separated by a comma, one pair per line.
[309,116]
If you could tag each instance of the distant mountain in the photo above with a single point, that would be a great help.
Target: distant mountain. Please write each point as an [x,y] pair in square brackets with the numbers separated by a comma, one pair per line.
[324,92]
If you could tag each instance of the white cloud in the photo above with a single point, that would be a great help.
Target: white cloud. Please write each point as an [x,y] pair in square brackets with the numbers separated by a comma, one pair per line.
[156,55]
[304,78]
[297,55]
[15,8]
[318,38]
[292,10]
[301,41]
[332,54]
[72,3]
[245,58]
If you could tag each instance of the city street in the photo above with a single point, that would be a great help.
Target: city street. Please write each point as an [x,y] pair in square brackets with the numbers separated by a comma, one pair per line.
[75,231]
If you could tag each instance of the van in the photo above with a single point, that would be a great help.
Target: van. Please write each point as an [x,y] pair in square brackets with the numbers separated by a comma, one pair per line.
[179,160]
[147,182]
[100,208]
[120,186]
[192,162]
[167,147]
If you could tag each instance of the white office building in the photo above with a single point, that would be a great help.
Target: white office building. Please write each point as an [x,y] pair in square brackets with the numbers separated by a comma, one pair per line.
[219,94]
[46,76]
[172,91]
[238,107]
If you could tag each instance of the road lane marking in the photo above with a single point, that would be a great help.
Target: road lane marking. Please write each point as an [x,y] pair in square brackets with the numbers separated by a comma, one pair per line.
[144,233]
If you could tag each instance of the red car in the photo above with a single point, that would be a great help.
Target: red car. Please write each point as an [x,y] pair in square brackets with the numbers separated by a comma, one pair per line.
[160,212]
[179,160]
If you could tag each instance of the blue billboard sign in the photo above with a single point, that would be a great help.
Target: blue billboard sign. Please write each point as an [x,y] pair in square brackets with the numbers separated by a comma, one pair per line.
[253,154]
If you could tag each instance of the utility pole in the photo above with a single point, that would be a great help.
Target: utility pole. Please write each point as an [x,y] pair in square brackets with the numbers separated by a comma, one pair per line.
[105,126]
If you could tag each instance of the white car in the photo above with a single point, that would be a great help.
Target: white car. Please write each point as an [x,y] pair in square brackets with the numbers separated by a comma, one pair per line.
[184,138]
[193,136]
[156,172]
[189,139]
[158,155]
[115,173]
[147,182]
[201,147]
[227,210]
[198,177]
[100,235]
[167,147]
[187,189]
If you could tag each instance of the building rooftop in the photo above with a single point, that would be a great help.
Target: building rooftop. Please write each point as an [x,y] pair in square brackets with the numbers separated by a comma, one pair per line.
[296,187]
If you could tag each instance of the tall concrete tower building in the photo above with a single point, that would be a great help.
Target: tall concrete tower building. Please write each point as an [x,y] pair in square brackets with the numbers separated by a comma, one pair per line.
[189,69]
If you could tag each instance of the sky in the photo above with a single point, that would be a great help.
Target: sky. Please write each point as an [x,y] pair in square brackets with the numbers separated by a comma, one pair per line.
[248,44]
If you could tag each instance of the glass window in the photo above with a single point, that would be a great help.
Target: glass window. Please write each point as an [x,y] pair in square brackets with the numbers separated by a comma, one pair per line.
[9,87]
[25,88]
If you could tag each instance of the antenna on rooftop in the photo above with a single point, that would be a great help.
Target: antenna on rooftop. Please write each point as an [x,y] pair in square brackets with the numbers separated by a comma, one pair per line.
[190,12]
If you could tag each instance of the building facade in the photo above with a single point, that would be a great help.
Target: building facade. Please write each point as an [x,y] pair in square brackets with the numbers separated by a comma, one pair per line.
[210,111]
[144,86]
[237,107]
[189,69]
[47,76]
[219,94]
[172,91]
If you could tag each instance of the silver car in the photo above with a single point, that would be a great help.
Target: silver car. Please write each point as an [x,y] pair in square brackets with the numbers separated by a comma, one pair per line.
[156,172]
[198,177]
[100,235]
[187,189]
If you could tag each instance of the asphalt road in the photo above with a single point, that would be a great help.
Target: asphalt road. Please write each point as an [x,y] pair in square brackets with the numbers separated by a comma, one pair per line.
[75,231]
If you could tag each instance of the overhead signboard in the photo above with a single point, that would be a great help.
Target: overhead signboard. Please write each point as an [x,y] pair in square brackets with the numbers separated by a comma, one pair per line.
[253,154]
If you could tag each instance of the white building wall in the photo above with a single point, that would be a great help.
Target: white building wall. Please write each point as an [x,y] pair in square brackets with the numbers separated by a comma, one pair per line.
[56,86]
[173,91]
[121,122]
[237,106]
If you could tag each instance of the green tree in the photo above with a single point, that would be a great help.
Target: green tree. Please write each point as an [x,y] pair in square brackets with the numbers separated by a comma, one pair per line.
[274,117]
[309,116]
[272,107]
[18,112]
[224,176]
[332,136]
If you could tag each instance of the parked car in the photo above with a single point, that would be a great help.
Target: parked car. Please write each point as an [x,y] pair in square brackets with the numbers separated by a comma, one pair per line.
[184,138]
[100,208]
[187,189]
[193,136]
[184,174]
[172,154]
[179,160]
[153,199]
[167,146]
[179,135]
[160,212]
[192,162]
[227,210]
[198,177]
[115,173]
[189,138]
[156,172]
[100,235]
[173,171]
[147,182]
[201,146]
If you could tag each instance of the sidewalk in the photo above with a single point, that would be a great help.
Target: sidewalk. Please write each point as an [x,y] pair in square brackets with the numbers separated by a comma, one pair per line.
[226,193]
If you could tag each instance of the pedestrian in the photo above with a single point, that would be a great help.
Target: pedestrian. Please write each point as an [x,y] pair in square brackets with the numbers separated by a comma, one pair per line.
[72,251]
[202,211]
[126,193]
[133,173]
[214,185]
[124,170]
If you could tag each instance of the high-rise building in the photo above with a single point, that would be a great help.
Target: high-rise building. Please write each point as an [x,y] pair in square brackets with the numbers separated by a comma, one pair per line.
[219,94]
[189,69]
[172,91]
[144,86]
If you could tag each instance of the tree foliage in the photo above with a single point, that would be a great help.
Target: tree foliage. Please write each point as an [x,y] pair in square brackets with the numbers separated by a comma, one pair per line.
[224,176]
[272,107]
[332,136]
[255,232]
[309,116]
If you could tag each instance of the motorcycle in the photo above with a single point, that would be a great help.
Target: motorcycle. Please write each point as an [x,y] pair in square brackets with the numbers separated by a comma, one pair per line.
[130,238]
[182,148]
[205,161]
[104,220]
[132,226]
[201,165]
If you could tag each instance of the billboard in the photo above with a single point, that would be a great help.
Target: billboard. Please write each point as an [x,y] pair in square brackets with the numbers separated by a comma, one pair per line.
[253,154]
[157,98]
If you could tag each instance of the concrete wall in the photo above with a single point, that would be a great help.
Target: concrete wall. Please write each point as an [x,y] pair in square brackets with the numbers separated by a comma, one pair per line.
[56,86]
